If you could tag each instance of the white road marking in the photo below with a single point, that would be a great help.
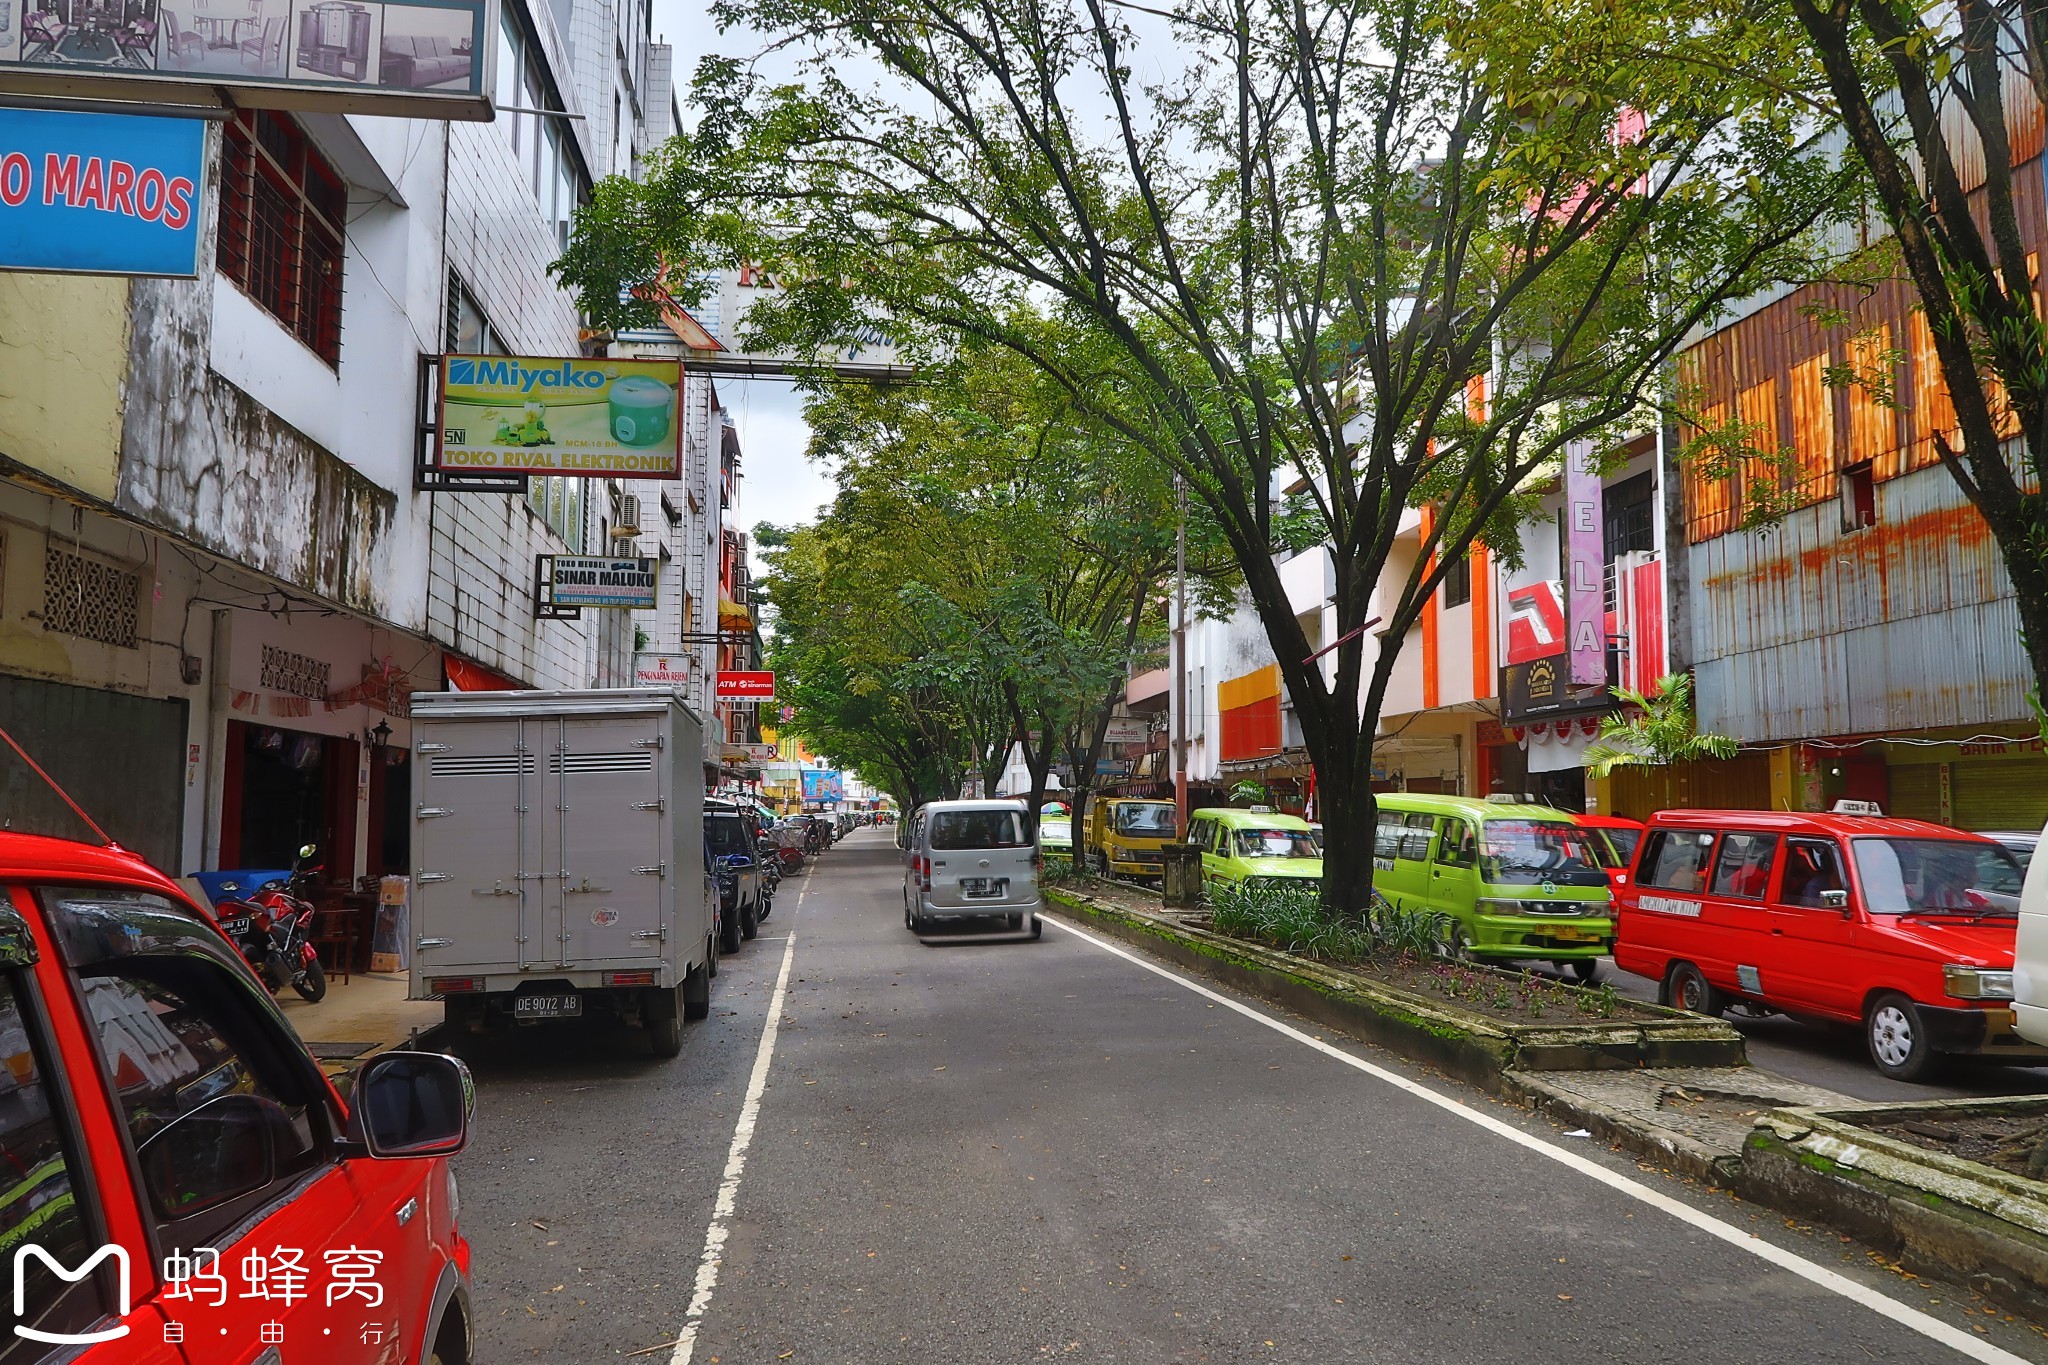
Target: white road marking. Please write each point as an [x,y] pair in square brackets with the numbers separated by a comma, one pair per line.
[1882,1304]
[735,1162]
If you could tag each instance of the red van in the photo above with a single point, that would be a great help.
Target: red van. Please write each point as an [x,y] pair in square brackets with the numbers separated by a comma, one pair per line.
[1617,841]
[179,1182]
[1902,927]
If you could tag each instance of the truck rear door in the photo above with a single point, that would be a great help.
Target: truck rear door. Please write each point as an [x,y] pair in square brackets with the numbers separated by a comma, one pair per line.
[605,782]
[478,851]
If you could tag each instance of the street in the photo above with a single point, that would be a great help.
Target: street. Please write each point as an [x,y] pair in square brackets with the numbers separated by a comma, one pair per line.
[1020,1151]
[1836,1058]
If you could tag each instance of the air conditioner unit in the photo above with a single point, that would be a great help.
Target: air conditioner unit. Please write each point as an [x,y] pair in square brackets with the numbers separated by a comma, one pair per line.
[628,523]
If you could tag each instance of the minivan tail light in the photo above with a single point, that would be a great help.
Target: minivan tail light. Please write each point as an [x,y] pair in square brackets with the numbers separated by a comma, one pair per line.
[453,985]
[924,873]
[629,978]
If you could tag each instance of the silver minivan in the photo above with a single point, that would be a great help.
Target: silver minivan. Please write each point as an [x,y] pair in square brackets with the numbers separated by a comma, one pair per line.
[966,860]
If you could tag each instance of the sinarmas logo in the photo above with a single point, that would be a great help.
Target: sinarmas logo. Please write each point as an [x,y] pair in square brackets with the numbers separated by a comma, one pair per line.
[510,374]
[119,1329]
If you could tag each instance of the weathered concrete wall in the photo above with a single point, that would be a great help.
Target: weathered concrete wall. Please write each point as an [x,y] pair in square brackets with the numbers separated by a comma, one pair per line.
[63,355]
[203,459]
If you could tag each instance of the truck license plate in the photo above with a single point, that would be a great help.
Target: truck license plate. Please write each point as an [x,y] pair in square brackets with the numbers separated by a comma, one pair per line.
[1571,935]
[985,887]
[547,1006]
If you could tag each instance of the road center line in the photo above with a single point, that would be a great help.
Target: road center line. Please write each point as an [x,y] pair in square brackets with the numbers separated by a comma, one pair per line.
[735,1163]
[1882,1304]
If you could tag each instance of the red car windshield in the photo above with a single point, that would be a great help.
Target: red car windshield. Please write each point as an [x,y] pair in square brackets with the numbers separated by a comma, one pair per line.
[1937,877]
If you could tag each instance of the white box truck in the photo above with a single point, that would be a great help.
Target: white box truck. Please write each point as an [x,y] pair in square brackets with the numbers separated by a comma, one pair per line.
[558,860]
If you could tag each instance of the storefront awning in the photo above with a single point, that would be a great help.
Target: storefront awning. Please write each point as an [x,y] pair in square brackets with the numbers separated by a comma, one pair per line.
[733,616]
[465,676]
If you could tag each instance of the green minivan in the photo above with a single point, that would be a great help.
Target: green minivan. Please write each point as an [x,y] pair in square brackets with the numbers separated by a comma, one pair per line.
[1515,880]
[1255,847]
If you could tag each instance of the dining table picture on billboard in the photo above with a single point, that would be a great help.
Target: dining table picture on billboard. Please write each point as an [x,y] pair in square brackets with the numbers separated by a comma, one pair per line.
[604,419]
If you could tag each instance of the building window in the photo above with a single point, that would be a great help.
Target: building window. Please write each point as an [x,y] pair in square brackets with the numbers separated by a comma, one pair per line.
[1627,516]
[469,331]
[1859,497]
[282,207]
[542,146]
[1458,581]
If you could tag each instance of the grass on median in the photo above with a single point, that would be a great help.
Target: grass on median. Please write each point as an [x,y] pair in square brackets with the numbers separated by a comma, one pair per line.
[1406,947]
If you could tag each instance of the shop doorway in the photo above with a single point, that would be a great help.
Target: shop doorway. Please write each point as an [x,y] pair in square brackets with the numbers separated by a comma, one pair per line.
[283,789]
[390,851]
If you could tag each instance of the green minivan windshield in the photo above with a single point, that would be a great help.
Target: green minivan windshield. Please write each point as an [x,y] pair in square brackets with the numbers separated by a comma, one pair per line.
[1277,843]
[1526,852]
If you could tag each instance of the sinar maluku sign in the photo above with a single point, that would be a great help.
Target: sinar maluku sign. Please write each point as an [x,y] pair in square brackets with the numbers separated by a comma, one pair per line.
[596,581]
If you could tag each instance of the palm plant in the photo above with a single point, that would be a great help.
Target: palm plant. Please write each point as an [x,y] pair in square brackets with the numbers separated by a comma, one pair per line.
[1658,729]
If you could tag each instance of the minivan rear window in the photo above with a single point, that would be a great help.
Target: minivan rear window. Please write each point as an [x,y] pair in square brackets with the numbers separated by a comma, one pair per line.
[979,829]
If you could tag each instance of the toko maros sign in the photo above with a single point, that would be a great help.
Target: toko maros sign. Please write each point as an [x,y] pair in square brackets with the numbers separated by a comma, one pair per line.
[107,194]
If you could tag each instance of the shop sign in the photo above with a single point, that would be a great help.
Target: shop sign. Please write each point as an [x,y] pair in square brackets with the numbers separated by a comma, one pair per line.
[1128,730]
[761,753]
[1535,621]
[595,581]
[823,784]
[754,685]
[601,419]
[297,675]
[100,194]
[421,59]
[671,671]
[1585,567]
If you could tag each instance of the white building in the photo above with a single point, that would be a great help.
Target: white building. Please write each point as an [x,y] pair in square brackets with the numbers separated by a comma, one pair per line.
[218,582]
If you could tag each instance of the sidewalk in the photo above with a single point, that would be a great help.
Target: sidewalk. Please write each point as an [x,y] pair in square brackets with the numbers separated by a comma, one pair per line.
[360,1017]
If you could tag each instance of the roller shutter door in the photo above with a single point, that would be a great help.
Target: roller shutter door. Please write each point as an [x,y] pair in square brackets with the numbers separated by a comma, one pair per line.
[2001,793]
[1916,791]
[120,757]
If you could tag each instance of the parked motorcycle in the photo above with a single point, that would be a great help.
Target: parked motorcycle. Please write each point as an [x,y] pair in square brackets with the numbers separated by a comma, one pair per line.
[274,932]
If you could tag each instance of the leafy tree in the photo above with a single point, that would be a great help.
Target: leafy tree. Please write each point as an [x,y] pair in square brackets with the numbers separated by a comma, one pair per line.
[1334,261]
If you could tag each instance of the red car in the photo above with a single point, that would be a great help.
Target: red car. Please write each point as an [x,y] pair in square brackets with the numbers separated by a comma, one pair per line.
[1901,927]
[1618,838]
[179,1182]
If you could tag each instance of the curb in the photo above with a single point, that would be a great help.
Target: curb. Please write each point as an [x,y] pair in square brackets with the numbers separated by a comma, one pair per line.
[1470,1046]
[1679,1152]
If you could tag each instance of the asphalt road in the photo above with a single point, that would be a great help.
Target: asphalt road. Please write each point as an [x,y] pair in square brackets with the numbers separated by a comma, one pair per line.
[1837,1058]
[1012,1151]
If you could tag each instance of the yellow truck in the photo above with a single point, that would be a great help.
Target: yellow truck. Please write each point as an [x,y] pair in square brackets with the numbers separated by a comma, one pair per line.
[1124,836]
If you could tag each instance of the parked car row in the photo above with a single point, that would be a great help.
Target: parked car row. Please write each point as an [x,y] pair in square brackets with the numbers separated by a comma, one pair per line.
[1904,929]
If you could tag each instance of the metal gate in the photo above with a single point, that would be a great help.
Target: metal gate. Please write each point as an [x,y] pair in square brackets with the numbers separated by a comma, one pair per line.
[122,758]
[2001,793]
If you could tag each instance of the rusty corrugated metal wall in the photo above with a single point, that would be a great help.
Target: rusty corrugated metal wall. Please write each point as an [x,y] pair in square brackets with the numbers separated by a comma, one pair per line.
[1812,628]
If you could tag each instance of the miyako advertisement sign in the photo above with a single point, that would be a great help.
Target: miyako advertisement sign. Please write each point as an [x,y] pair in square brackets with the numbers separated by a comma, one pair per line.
[594,581]
[602,419]
[823,784]
[406,58]
[101,194]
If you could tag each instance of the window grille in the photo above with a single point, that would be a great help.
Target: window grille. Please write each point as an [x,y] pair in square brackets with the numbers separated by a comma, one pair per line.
[91,600]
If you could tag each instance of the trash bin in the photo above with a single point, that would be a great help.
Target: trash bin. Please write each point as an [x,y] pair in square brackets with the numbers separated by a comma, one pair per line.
[1180,880]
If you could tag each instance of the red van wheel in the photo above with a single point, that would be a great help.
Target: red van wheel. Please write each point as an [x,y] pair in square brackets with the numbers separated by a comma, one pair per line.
[1897,1038]
[1687,988]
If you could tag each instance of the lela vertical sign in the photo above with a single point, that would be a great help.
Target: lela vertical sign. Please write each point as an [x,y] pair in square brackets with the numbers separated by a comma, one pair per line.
[1585,568]
[106,194]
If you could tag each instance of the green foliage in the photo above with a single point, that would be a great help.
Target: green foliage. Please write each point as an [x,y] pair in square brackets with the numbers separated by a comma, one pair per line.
[1285,308]
[1655,729]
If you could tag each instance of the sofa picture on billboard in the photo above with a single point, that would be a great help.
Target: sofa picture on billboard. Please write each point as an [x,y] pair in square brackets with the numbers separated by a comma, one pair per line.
[427,48]
[108,34]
